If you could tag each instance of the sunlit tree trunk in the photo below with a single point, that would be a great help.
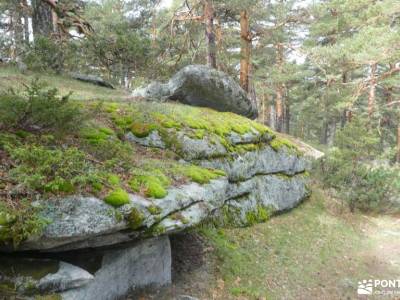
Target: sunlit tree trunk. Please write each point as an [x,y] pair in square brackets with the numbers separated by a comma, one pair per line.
[287,113]
[280,90]
[210,33]
[245,51]
[372,89]
[26,22]
[218,33]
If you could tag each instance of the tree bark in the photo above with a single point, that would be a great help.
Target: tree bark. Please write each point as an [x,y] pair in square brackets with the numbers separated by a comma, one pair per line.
[245,50]
[42,18]
[372,89]
[210,34]
[287,114]
[324,133]
[280,89]
[272,117]
[398,144]
[18,29]
[26,22]
[344,118]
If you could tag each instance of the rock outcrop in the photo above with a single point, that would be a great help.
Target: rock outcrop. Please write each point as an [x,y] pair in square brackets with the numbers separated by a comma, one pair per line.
[194,165]
[93,80]
[199,85]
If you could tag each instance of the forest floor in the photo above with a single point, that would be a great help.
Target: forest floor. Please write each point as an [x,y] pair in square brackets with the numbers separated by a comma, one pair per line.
[11,78]
[317,251]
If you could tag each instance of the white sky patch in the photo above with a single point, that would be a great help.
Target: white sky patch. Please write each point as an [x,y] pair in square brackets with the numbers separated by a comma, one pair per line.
[165,4]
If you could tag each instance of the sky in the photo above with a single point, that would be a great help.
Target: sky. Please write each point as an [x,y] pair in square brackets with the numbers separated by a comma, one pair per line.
[165,3]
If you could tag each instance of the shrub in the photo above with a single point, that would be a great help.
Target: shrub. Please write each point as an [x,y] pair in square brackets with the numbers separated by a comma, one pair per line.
[349,170]
[45,54]
[39,110]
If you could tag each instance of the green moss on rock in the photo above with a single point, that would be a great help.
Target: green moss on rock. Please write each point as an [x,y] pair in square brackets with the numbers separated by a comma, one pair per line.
[202,175]
[150,184]
[278,143]
[142,130]
[117,198]
[135,219]
[154,209]
[259,215]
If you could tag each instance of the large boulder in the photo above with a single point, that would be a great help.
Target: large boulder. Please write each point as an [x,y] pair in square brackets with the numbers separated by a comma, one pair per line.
[200,85]
[255,165]
[206,165]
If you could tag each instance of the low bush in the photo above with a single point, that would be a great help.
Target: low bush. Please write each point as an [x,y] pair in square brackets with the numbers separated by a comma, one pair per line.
[39,110]
[352,169]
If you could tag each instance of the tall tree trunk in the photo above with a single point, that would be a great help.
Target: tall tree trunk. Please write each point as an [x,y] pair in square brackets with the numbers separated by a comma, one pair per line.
[272,117]
[18,29]
[245,50]
[42,19]
[372,89]
[210,34]
[287,114]
[26,22]
[280,90]
[324,133]
[218,34]
[398,144]
[263,109]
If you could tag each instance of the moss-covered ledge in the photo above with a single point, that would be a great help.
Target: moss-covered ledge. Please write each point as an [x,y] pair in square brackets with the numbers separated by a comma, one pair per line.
[100,161]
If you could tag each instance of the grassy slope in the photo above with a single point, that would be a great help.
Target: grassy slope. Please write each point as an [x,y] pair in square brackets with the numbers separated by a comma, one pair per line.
[12,78]
[317,251]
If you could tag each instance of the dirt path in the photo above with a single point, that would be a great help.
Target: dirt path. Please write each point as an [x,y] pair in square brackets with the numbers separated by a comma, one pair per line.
[382,244]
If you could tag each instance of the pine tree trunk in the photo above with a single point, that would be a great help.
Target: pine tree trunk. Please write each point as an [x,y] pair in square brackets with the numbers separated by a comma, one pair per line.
[272,117]
[210,34]
[245,50]
[42,19]
[324,133]
[372,89]
[18,30]
[287,115]
[26,23]
[263,109]
[218,33]
[345,111]
[280,89]
[398,144]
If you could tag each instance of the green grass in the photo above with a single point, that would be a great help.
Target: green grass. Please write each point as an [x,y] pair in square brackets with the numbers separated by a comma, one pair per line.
[11,78]
[293,256]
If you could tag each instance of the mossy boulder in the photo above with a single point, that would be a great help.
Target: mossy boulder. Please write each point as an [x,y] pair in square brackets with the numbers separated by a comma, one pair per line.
[140,165]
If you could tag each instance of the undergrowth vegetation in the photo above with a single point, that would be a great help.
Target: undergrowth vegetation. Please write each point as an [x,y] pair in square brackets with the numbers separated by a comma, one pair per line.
[362,175]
